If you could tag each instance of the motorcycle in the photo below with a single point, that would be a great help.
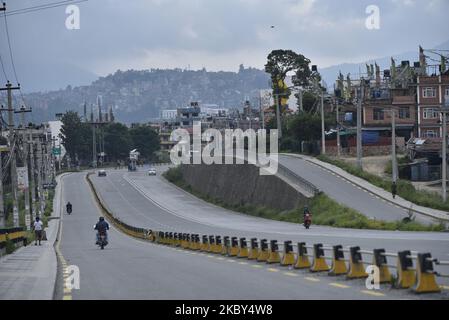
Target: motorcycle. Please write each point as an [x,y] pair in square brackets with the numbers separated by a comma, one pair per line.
[69,209]
[307,221]
[102,242]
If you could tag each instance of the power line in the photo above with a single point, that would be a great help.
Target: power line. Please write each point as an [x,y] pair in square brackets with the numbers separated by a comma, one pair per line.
[43,7]
[3,68]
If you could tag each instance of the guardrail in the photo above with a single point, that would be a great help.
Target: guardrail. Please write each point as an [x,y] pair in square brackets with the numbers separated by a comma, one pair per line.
[289,174]
[414,270]
[13,234]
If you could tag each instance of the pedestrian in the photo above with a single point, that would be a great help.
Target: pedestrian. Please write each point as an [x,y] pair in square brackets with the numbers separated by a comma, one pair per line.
[394,189]
[37,226]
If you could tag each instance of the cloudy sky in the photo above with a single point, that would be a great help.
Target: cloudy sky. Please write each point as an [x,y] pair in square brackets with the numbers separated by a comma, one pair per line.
[215,34]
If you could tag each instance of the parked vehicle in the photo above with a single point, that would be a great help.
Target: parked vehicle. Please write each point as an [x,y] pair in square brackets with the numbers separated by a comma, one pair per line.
[152,172]
[102,173]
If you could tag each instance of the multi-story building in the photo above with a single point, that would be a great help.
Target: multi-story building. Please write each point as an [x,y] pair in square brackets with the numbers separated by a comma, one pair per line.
[432,95]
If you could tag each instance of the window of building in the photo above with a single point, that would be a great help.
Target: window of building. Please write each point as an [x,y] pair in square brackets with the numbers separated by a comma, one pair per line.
[429,92]
[430,113]
[430,134]
[378,114]
[404,113]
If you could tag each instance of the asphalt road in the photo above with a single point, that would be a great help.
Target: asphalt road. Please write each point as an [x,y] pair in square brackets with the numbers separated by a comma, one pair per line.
[133,269]
[157,204]
[344,192]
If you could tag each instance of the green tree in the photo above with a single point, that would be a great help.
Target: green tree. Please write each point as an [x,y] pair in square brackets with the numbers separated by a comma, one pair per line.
[117,141]
[306,126]
[76,136]
[145,140]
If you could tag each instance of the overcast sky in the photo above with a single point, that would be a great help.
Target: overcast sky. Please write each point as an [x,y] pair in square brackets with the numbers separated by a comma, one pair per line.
[217,34]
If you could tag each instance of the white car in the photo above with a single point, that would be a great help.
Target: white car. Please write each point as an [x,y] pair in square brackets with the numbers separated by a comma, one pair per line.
[152,172]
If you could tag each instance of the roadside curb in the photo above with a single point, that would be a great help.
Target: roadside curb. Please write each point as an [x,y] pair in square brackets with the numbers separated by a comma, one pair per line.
[442,218]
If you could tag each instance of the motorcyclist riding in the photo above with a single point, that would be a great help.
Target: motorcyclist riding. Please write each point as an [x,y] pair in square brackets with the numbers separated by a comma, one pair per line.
[307,216]
[68,207]
[102,226]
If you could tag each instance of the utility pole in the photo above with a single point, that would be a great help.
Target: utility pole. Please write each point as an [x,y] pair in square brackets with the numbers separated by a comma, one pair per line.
[338,128]
[9,88]
[39,174]
[22,112]
[323,134]
[444,156]
[32,183]
[2,210]
[301,106]
[359,125]
[394,162]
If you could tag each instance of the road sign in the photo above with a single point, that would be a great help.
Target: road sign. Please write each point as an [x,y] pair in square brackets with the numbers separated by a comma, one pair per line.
[57,151]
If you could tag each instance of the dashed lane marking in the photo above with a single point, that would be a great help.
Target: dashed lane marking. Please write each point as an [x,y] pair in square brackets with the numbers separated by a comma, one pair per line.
[372,293]
[273,270]
[243,262]
[67,298]
[312,279]
[290,274]
[339,285]
[256,266]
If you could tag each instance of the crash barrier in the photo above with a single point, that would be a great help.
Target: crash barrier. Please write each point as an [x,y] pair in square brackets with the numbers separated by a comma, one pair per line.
[15,235]
[414,271]
[289,174]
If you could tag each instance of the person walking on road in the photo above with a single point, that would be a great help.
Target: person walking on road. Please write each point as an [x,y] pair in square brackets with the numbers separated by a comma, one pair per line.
[394,189]
[37,226]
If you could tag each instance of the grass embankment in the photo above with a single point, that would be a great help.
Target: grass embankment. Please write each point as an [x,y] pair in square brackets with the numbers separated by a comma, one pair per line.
[325,211]
[404,188]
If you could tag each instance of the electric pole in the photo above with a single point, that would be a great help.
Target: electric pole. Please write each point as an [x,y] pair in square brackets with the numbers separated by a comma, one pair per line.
[32,175]
[444,156]
[22,112]
[359,125]
[338,128]
[323,134]
[278,115]
[9,88]
[301,106]
[394,162]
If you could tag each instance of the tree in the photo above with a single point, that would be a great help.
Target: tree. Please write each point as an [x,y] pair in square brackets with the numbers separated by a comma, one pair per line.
[309,101]
[117,141]
[306,126]
[145,140]
[76,136]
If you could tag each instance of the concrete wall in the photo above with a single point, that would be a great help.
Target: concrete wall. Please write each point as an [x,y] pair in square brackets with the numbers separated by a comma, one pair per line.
[242,184]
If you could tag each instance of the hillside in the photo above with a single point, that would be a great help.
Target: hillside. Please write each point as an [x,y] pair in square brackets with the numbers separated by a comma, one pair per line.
[138,96]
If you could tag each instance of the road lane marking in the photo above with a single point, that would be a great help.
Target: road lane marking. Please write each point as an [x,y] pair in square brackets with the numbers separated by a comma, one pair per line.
[256,266]
[312,279]
[372,293]
[339,285]
[290,274]
[243,262]
[67,297]
[273,270]
[445,287]
[219,258]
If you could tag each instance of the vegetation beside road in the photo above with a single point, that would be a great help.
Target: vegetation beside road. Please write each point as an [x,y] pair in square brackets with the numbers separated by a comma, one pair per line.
[325,211]
[404,188]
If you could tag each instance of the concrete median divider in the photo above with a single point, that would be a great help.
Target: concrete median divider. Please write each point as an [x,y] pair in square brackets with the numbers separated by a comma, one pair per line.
[254,249]
[211,244]
[274,256]
[204,243]
[243,248]
[425,275]
[218,247]
[264,252]
[406,273]
[288,256]
[338,261]
[356,267]
[234,248]
[319,261]
[226,245]
[380,260]
[302,259]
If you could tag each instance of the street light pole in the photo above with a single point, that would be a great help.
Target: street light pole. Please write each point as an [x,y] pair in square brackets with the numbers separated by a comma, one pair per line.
[394,161]
[323,135]
[359,126]
[444,160]
[338,128]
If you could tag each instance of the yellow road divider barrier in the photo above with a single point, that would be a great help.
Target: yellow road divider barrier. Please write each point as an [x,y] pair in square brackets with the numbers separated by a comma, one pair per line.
[406,273]
[226,245]
[380,260]
[234,248]
[319,261]
[338,261]
[243,248]
[288,256]
[263,253]
[254,249]
[302,259]
[274,256]
[356,267]
[426,282]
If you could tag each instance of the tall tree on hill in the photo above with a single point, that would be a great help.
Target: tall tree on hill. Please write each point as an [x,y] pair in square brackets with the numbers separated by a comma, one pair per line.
[145,140]
[117,141]
[76,136]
